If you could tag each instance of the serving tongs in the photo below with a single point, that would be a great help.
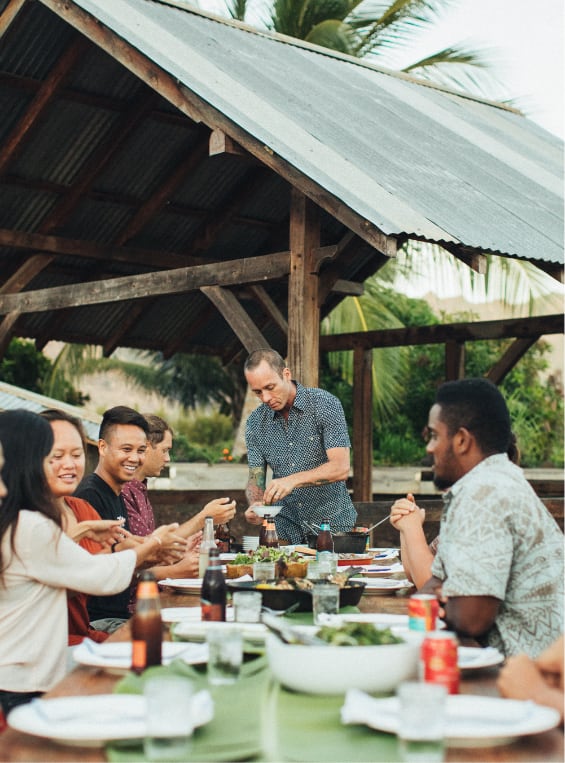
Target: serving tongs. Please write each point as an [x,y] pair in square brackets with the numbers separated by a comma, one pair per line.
[288,634]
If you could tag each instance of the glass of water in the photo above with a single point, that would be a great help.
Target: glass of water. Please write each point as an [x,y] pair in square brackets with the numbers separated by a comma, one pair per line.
[421,722]
[170,720]
[225,646]
[325,601]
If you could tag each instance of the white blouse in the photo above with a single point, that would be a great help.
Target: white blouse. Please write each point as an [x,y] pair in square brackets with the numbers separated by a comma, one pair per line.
[33,598]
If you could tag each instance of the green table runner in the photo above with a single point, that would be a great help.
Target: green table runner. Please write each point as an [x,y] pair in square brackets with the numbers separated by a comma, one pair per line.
[257,719]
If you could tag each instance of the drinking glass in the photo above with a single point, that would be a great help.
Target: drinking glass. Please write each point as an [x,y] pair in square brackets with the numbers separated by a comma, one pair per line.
[325,601]
[247,606]
[421,722]
[170,720]
[263,570]
[225,645]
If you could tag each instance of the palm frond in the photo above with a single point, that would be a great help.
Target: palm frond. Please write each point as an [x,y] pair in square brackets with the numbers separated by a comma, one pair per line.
[237,9]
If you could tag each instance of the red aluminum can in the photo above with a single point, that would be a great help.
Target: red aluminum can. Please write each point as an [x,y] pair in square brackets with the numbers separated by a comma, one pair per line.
[438,660]
[423,609]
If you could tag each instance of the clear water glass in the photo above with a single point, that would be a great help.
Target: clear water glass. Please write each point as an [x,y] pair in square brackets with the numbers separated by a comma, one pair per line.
[170,720]
[421,722]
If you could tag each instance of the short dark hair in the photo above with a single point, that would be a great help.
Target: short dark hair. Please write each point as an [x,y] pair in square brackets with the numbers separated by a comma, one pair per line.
[121,414]
[476,405]
[157,428]
[55,414]
[27,440]
[271,357]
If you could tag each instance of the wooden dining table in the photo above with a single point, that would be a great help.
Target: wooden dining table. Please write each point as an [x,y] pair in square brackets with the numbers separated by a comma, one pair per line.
[83,680]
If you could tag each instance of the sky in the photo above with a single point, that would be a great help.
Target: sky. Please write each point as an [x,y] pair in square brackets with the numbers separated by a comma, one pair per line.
[523,40]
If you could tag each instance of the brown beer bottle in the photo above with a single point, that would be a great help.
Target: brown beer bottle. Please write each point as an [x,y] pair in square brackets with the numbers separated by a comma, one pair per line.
[271,536]
[214,590]
[146,627]
[263,530]
[324,542]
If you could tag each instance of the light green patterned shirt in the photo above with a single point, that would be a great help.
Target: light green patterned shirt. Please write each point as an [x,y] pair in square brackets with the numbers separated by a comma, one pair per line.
[498,539]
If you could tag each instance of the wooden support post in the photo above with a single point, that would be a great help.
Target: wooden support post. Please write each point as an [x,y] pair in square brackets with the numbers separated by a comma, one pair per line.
[362,425]
[303,310]
[454,360]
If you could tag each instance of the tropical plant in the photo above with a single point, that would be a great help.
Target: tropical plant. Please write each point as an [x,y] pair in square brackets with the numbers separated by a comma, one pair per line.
[367,28]
[23,366]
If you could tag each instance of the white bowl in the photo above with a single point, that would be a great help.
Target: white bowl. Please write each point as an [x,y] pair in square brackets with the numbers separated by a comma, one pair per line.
[335,669]
[262,511]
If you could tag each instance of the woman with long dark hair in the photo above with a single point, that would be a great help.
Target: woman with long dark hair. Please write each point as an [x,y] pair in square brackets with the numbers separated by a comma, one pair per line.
[38,562]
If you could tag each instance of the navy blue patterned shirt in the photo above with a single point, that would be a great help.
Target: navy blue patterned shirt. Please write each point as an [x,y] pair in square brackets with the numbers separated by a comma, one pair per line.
[316,423]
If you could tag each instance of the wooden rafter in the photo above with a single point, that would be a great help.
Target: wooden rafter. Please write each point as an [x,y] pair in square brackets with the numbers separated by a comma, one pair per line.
[506,363]
[87,249]
[269,306]
[441,333]
[9,14]
[235,315]
[220,218]
[160,197]
[177,281]
[14,142]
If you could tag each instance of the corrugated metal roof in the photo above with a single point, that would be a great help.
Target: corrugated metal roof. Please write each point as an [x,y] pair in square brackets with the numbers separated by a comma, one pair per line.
[409,158]
[12,398]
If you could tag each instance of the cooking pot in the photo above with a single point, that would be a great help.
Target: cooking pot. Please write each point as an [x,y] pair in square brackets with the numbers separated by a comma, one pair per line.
[344,542]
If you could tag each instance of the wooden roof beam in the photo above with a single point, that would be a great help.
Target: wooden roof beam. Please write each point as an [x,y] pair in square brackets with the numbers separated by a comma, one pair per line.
[14,142]
[218,219]
[506,363]
[441,333]
[177,281]
[9,14]
[160,197]
[143,68]
[102,155]
[236,317]
[269,306]
[80,248]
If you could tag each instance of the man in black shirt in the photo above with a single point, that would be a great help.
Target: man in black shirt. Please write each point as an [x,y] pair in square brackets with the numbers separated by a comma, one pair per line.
[121,451]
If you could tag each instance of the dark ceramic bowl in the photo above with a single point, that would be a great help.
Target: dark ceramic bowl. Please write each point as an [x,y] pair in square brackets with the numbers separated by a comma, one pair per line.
[283,598]
[344,543]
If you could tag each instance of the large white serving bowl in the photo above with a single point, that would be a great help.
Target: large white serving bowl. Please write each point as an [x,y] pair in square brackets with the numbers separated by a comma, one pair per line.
[263,510]
[335,669]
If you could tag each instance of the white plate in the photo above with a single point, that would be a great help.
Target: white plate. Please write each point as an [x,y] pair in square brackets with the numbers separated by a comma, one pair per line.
[194,630]
[93,721]
[471,720]
[372,570]
[116,655]
[176,614]
[184,585]
[262,511]
[474,658]
[382,586]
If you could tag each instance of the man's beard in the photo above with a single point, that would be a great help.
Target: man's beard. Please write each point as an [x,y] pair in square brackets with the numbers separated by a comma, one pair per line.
[443,483]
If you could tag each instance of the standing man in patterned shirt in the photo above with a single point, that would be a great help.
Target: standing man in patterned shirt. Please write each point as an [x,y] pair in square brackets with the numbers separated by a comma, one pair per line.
[301,434]
[499,562]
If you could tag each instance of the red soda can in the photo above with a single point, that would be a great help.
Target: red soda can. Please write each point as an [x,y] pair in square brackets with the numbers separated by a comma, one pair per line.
[438,660]
[423,609]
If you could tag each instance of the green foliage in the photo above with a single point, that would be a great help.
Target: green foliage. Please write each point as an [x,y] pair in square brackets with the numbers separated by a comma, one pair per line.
[23,366]
[185,450]
[535,402]
[209,430]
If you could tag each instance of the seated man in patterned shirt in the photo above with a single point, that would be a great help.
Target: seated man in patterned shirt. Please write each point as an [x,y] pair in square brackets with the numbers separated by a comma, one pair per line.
[140,514]
[301,434]
[499,564]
